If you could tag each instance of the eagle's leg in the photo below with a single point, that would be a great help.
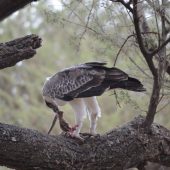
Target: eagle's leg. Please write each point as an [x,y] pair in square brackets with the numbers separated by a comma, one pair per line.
[80,113]
[94,112]
[93,123]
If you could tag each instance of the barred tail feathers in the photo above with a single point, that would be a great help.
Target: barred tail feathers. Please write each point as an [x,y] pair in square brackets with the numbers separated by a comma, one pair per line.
[131,84]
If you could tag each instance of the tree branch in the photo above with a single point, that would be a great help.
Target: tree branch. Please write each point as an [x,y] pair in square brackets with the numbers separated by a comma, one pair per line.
[109,151]
[122,48]
[145,52]
[161,46]
[157,9]
[17,50]
[141,69]
[125,4]
[159,77]
[7,7]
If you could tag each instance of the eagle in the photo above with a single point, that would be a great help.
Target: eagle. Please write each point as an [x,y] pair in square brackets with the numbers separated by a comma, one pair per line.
[79,85]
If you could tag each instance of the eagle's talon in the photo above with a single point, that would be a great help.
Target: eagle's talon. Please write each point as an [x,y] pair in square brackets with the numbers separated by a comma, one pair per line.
[74,136]
[77,137]
[72,129]
[90,135]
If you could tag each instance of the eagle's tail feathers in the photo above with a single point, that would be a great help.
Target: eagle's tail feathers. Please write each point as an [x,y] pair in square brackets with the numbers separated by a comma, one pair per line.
[115,74]
[131,84]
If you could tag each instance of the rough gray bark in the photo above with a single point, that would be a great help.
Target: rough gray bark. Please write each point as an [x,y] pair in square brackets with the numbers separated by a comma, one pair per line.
[121,148]
[17,50]
[7,7]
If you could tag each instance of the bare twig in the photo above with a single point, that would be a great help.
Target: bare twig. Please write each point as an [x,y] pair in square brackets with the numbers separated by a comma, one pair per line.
[121,48]
[87,27]
[160,47]
[125,4]
[87,23]
[139,68]
[158,10]
[156,19]
[116,97]
[72,11]
[163,107]
[132,35]
[162,95]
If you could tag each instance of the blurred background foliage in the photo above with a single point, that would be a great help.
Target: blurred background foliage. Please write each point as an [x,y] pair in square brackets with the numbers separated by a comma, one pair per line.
[74,32]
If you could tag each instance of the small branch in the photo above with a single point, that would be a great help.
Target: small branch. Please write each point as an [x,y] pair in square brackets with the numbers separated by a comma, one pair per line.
[157,25]
[17,50]
[132,35]
[139,67]
[122,48]
[160,47]
[125,4]
[116,97]
[87,27]
[87,23]
[163,107]
[157,10]
[7,7]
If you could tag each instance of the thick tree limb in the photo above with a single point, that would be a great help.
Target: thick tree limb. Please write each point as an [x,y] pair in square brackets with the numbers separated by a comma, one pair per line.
[17,50]
[121,148]
[7,7]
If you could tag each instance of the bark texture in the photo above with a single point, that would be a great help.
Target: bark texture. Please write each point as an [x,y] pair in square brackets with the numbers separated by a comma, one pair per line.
[7,7]
[121,148]
[17,50]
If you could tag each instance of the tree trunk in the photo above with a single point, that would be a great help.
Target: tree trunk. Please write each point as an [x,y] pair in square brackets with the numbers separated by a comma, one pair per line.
[121,148]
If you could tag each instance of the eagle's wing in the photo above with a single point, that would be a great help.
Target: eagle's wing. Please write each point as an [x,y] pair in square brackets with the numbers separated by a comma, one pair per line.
[79,80]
